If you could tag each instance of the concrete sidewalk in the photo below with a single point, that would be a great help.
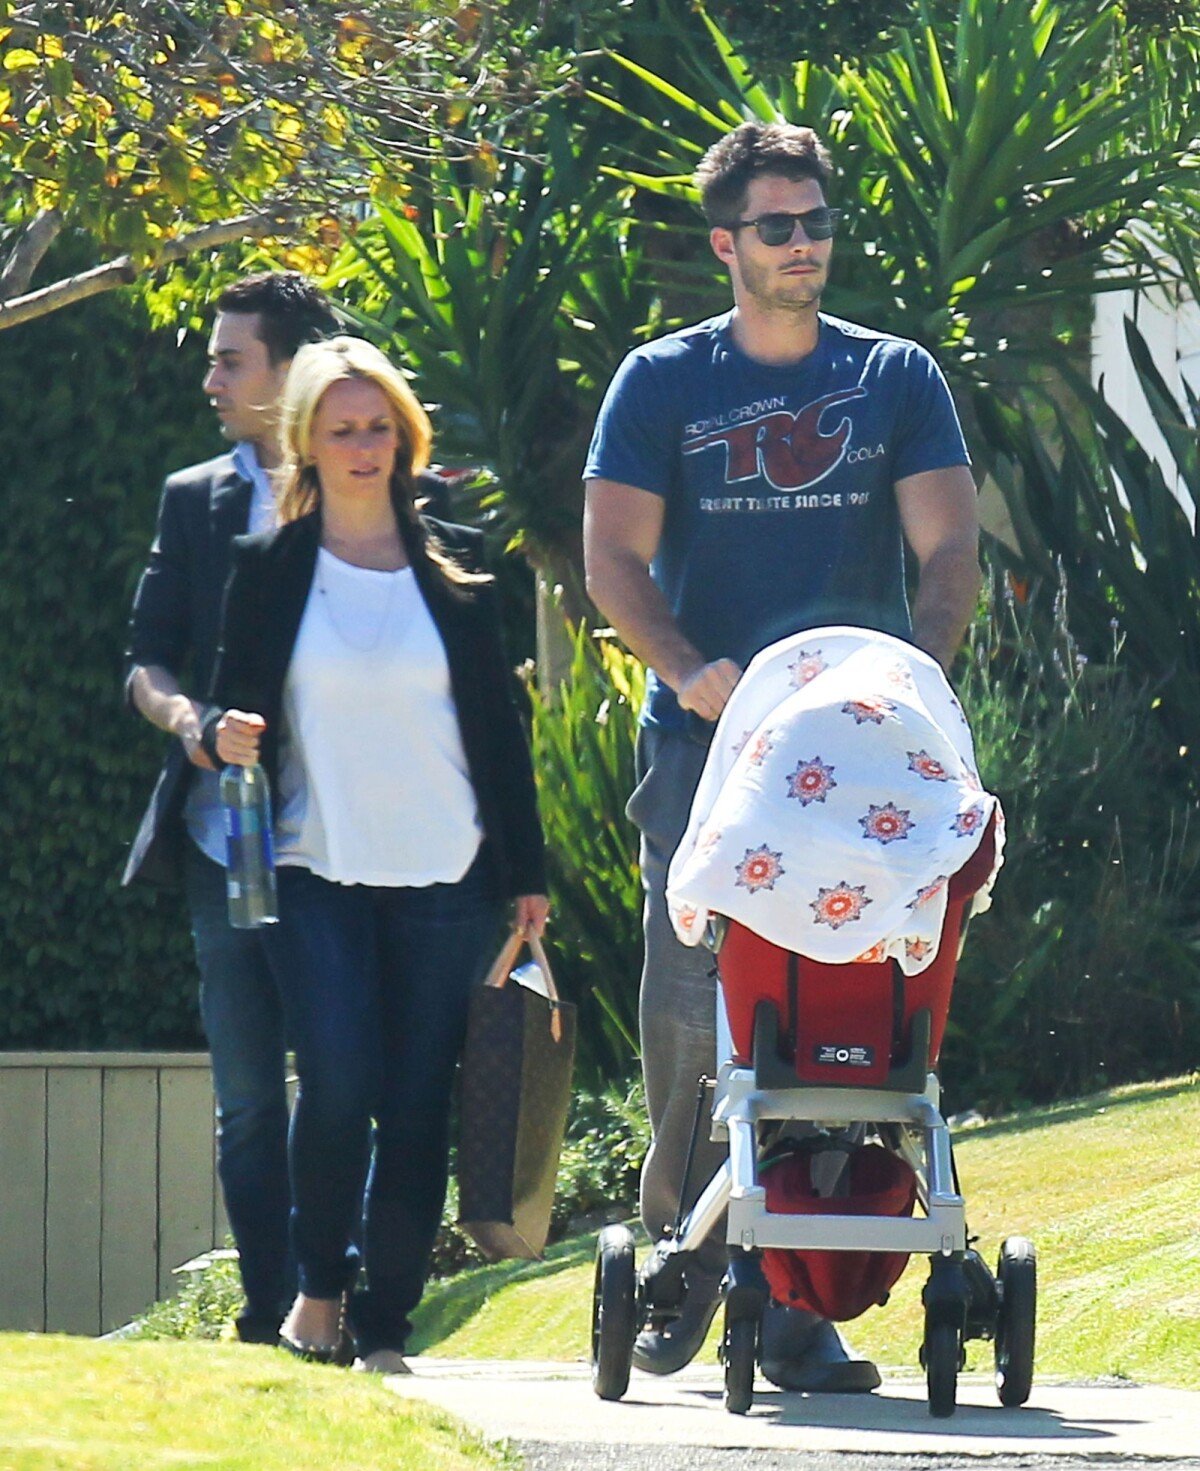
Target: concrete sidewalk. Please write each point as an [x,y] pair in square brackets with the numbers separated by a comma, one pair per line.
[554,1403]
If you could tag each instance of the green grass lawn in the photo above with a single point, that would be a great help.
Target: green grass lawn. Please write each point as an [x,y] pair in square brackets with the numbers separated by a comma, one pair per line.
[1108,1188]
[73,1404]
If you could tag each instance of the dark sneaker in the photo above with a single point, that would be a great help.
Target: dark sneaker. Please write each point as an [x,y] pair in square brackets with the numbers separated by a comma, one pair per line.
[676,1344]
[804,1353]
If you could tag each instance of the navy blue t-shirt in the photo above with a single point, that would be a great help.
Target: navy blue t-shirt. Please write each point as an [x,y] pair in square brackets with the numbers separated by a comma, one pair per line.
[778,481]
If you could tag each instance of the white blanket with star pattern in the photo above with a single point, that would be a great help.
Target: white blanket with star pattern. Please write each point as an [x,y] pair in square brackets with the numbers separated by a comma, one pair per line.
[839,796]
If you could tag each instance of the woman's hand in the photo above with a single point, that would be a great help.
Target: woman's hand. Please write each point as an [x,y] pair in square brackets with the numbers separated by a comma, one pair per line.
[532,911]
[238,735]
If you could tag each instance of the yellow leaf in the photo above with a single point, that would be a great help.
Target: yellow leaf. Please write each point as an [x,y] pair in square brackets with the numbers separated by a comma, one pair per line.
[334,120]
[389,190]
[51,46]
[46,193]
[209,105]
[306,258]
[20,59]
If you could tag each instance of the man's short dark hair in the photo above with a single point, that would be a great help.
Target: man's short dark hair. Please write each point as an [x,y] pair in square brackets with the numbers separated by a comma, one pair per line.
[725,171]
[290,309]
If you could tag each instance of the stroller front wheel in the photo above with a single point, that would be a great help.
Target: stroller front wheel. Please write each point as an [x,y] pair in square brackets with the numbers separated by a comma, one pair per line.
[943,1357]
[1016,1278]
[614,1312]
[739,1349]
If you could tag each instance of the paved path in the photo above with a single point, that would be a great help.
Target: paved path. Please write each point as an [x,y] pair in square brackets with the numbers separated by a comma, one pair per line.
[550,1412]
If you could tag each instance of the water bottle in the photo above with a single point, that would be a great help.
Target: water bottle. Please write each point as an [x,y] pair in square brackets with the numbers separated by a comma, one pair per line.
[249,852]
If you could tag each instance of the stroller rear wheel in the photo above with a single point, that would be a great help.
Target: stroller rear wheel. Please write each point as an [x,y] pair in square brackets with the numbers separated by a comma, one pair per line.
[942,1354]
[739,1348]
[614,1312]
[1016,1278]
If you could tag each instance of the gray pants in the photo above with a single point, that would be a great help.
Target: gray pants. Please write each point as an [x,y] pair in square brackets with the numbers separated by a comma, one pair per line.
[678,996]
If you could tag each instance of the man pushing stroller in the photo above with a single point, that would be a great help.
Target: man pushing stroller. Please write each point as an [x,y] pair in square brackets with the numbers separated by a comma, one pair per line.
[752,476]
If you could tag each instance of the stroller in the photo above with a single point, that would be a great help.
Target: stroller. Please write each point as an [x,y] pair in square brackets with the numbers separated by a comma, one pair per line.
[840,1163]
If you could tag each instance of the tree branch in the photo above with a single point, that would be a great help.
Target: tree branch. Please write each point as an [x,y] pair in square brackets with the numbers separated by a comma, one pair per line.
[124,271]
[27,254]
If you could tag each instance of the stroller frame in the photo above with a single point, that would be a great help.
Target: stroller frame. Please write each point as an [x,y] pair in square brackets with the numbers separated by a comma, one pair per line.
[962,1298]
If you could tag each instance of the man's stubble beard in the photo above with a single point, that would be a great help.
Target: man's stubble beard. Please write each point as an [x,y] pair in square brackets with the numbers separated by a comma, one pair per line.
[758,281]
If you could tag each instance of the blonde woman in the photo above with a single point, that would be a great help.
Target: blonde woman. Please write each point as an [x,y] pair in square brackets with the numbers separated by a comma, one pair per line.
[361,664]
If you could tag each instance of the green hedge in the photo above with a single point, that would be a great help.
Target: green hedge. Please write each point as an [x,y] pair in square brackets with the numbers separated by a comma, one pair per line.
[97,408]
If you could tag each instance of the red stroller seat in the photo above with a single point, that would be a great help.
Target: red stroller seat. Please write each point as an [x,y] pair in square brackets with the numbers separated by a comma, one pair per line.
[863,1025]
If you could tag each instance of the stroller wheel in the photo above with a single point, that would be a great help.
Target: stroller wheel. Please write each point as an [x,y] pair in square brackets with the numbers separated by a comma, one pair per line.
[739,1348]
[614,1312]
[1016,1278]
[943,1358]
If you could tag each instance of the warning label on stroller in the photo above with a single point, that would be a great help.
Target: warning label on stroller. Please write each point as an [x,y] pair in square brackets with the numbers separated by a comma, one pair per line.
[828,1052]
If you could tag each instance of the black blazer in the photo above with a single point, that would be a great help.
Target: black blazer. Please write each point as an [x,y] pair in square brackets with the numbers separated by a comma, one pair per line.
[264,603]
[176,622]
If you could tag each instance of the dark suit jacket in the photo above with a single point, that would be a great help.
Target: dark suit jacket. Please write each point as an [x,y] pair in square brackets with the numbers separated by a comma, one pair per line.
[176,621]
[268,588]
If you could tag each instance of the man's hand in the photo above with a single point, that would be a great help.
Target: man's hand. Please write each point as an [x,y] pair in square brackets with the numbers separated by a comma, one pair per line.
[621,531]
[707,689]
[156,694]
[239,733]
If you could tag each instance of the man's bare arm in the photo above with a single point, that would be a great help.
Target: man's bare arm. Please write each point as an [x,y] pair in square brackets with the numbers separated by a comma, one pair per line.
[939,516]
[621,530]
[156,693]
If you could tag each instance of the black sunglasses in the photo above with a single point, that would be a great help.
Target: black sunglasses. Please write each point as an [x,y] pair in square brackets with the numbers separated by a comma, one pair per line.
[778,229]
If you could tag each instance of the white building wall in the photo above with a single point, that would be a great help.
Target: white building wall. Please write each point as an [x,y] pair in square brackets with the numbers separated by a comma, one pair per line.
[1169,320]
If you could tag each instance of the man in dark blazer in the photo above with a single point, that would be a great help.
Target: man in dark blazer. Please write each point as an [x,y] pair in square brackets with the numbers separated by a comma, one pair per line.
[260,322]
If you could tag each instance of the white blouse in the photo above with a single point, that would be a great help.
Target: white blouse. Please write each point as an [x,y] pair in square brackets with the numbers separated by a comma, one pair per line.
[373,783]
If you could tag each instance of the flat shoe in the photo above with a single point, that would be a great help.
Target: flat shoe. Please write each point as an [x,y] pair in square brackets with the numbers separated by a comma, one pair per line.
[340,1353]
[382,1361]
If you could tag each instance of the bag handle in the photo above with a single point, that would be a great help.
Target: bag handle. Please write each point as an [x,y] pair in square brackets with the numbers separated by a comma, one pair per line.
[502,967]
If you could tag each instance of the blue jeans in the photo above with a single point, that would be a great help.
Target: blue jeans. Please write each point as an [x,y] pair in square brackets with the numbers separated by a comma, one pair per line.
[242,1014]
[376,983]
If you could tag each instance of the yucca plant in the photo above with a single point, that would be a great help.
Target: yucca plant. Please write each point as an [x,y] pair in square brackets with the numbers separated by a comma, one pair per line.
[1086,970]
[1125,539]
[583,743]
[988,165]
[510,297]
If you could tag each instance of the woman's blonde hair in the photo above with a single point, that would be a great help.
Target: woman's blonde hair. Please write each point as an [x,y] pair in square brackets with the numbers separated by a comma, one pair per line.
[315,368]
